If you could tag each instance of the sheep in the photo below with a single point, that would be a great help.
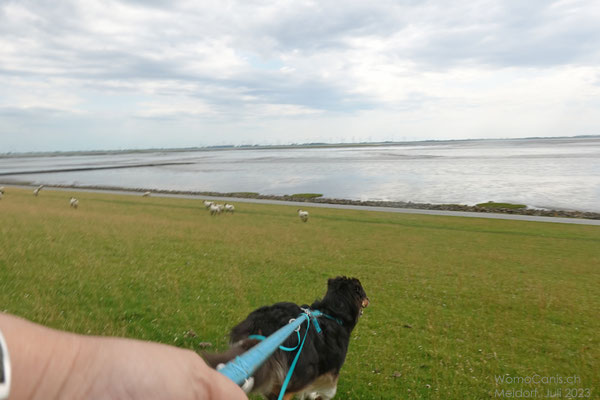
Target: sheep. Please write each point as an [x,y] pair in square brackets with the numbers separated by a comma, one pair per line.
[303,215]
[36,191]
[146,194]
[216,209]
[1,195]
[207,203]
[229,208]
[1,189]
[74,202]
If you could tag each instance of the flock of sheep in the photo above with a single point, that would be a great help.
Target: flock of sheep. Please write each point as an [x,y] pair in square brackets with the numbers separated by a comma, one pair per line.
[211,206]
[216,209]
[73,201]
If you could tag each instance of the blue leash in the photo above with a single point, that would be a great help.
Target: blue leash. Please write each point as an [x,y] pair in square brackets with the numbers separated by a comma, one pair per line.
[288,377]
[291,371]
[242,367]
[261,338]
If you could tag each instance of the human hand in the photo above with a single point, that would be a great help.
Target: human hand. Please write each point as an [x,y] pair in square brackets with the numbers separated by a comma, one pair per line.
[134,369]
[51,364]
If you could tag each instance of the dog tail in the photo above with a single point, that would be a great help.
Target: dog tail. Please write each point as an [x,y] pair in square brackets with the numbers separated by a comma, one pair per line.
[214,359]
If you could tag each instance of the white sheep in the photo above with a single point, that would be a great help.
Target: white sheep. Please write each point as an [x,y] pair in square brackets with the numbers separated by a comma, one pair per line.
[1,189]
[74,202]
[36,191]
[146,194]
[207,203]
[303,215]
[229,208]
[216,209]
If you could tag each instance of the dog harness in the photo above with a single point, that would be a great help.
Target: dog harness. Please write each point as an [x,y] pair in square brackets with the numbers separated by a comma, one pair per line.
[312,314]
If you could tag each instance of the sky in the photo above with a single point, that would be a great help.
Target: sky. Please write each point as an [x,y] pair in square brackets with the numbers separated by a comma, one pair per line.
[89,75]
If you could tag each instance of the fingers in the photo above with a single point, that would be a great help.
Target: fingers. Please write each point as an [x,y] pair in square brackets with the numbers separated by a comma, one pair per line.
[224,388]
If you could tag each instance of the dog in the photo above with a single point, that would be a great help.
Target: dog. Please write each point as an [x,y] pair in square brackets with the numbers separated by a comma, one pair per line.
[317,370]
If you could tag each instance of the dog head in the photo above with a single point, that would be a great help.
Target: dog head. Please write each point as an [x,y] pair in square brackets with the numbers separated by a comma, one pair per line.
[348,291]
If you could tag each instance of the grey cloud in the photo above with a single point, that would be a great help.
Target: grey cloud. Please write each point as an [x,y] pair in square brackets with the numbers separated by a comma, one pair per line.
[532,33]
[329,24]
[31,113]
[537,32]
[509,33]
[317,95]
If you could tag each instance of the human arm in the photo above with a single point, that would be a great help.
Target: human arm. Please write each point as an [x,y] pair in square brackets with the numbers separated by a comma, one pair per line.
[51,364]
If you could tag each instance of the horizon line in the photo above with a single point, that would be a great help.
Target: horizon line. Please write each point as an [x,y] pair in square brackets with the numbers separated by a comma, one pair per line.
[277,146]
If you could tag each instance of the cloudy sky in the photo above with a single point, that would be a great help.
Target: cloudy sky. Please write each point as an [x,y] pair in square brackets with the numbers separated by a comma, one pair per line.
[82,74]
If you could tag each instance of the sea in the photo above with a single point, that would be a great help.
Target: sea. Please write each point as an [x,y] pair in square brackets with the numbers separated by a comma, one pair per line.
[546,173]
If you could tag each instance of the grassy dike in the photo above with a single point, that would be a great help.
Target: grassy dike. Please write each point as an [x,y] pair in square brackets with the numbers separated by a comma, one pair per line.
[455,302]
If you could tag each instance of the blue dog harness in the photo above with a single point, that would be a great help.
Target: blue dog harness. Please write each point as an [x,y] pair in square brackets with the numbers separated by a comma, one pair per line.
[312,315]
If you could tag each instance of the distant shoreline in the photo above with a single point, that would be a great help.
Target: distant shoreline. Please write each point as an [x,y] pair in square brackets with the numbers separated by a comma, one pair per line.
[278,146]
[325,200]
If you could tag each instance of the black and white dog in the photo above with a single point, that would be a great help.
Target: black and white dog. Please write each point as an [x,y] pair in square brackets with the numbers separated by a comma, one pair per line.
[318,367]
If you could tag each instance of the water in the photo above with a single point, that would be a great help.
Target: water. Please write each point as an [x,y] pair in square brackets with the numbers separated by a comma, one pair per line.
[541,173]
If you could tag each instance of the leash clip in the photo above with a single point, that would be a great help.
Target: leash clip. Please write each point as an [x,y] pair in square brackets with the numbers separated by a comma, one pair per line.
[297,328]
[312,315]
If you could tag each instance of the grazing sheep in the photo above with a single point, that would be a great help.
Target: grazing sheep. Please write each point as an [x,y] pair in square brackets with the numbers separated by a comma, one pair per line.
[36,191]
[74,202]
[1,189]
[207,203]
[146,194]
[216,209]
[229,208]
[303,215]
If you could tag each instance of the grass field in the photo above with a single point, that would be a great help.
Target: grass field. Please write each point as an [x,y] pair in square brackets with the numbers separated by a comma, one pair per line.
[455,302]
[491,204]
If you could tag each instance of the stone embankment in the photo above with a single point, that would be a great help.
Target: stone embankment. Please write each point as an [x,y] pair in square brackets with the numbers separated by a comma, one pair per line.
[451,207]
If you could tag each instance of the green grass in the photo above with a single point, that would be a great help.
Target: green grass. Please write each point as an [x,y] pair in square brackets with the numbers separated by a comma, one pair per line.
[454,301]
[307,195]
[245,194]
[491,204]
